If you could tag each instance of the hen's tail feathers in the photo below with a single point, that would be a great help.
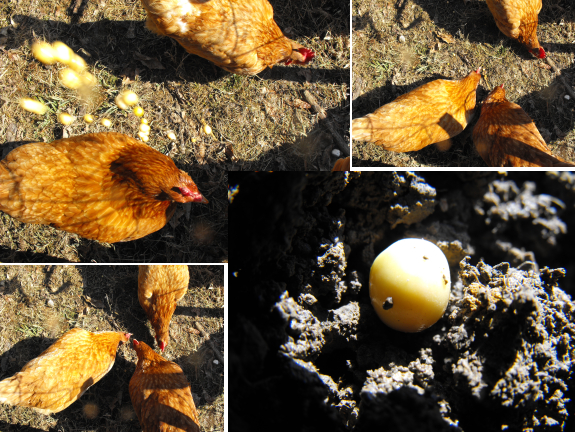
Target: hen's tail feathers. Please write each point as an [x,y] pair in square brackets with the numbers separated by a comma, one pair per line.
[362,129]
[12,393]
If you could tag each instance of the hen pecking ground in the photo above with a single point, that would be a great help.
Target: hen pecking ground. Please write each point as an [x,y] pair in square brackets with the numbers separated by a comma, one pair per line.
[400,45]
[40,303]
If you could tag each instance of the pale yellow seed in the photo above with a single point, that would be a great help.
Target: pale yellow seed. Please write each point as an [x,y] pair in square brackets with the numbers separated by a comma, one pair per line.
[43,52]
[88,79]
[33,106]
[144,136]
[88,118]
[410,285]
[207,129]
[106,122]
[194,140]
[70,79]
[65,118]
[139,111]
[121,104]
[172,136]
[144,128]
[62,52]
[77,63]
[130,98]
[144,121]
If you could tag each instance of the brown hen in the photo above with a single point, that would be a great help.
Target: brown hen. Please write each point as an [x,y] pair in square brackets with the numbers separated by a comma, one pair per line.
[160,287]
[430,114]
[62,373]
[161,394]
[518,20]
[239,36]
[505,136]
[104,186]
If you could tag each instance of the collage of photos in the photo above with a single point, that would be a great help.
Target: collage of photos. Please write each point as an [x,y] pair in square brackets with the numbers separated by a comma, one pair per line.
[395,181]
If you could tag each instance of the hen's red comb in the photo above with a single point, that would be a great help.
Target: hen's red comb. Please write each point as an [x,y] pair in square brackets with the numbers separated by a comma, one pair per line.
[307,53]
[196,196]
[541,54]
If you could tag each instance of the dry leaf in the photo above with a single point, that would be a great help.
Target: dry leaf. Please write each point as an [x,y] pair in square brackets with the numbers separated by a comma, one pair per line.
[446,37]
[230,152]
[95,303]
[150,62]
[298,103]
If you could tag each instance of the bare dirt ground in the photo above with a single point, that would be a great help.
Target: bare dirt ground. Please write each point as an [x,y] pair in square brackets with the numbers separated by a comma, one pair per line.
[447,40]
[306,341]
[258,122]
[104,298]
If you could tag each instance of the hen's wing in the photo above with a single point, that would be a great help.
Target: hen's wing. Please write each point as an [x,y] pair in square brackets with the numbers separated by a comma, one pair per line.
[424,116]
[61,374]
[162,399]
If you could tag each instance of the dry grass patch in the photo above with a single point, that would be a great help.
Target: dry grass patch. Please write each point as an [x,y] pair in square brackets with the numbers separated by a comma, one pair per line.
[448,40]
[40,303]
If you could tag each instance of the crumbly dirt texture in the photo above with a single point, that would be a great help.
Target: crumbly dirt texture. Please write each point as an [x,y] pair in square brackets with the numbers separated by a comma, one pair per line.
[304,330]
[400,45]
[40,303]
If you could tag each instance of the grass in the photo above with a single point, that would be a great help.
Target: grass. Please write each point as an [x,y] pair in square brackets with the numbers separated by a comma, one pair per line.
[104,298]
[448,40]
[258,123]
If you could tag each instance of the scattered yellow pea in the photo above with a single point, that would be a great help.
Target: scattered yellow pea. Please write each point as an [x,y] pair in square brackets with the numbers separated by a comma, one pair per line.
[144,121]
[33,106]
[144,128]
[139,111]
[144,136]
[172,136]
[207,129]
[130,98]
[77,63]
[410,284]
[43,52]
[70,79]
[62,52]
[106,122]
[120,102]
[88,79]
[65,118]
[88,118]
